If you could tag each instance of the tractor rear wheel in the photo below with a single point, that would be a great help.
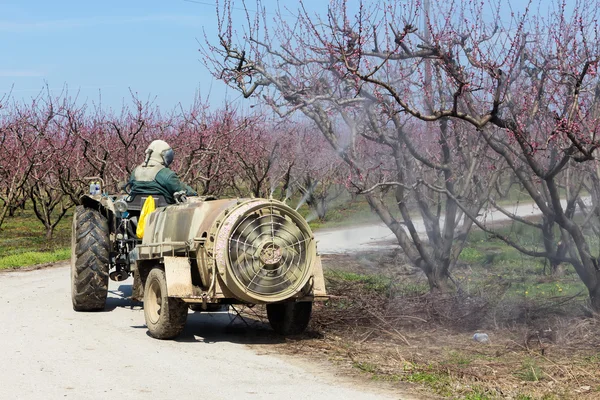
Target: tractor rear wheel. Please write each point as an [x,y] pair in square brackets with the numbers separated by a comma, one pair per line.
[289,318]
[165,316]
[90,249]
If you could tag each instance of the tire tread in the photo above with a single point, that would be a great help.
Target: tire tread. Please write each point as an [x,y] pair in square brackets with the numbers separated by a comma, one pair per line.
[89,260]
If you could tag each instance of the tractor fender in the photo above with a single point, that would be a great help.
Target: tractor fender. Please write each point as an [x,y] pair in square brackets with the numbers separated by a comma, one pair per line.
[104,204]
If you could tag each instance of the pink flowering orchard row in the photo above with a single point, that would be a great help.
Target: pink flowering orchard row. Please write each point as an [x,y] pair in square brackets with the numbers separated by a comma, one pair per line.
[50,145]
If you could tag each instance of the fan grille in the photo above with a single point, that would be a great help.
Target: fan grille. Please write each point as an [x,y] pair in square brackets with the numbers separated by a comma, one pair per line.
[269,252]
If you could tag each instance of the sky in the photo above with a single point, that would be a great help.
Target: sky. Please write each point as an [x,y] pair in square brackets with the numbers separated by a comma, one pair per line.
[108,48]
[103,49]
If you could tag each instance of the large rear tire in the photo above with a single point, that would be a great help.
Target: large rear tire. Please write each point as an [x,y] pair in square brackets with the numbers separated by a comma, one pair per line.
[90,251]
[289,318]
[165,316]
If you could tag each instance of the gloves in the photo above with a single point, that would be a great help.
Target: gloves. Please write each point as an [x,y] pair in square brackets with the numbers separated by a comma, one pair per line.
[180,197]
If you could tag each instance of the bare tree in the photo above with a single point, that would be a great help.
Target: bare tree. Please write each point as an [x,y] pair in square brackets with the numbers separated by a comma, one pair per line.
[308,66]
[527,87]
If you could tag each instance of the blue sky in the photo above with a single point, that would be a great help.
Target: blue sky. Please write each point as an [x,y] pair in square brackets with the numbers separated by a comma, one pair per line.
[110,47]
[150,46]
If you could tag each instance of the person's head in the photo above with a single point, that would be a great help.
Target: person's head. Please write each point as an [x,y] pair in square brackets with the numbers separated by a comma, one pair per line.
[159,151]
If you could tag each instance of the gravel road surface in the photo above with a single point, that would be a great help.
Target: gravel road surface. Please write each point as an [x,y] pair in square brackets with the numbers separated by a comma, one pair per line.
[48,351]
[373,237]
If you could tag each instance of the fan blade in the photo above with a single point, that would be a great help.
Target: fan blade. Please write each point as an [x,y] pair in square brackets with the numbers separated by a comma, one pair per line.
[266,285]
[240,257]
[290,255]
[237,246]
[246,231]
[286,230]
[247,270]
[292,267]
[253,231]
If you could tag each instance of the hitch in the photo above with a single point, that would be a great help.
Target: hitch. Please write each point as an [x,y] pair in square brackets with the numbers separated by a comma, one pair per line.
[119,276]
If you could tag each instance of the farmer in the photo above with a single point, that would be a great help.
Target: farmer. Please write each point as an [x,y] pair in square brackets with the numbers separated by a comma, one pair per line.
[153,176]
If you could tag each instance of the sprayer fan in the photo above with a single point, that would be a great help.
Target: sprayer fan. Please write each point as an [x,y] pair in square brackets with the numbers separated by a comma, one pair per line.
[269,252]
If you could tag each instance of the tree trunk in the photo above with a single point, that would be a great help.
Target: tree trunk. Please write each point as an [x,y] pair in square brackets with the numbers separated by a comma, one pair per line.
[49,232]
[3,213]
[437,279]
[595,297]
[558,269]
[322,208]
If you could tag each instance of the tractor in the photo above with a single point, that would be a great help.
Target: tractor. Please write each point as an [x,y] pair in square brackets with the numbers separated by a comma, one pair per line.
[200,254]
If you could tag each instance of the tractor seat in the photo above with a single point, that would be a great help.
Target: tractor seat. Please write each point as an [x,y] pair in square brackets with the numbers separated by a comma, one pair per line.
[135,203]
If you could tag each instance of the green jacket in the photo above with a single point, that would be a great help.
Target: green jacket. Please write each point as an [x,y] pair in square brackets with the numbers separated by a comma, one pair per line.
[159,180]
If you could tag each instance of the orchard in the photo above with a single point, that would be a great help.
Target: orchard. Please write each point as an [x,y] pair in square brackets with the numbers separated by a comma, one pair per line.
[457,139]
[53,147]
[442,109]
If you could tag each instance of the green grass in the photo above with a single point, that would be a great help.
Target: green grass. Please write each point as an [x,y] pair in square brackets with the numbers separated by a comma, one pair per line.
[471,255]
[344,212]
[33,258]
[529,278]
[477,394]
[375,282]
[23,241]
[530,371]
[439,382]
[458,358]
[425,377]
[484,263]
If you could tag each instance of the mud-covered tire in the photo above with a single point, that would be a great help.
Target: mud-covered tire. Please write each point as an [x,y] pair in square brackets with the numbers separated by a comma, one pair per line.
[90,251]
[289,318]
[165,316]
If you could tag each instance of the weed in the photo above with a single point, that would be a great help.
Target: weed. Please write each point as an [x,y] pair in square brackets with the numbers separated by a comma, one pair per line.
[425,377]
[365,367]
[377,283]
[457,358]
[413,289]
[595,359]
[471,255]
[478,394]
[524,397]
[530,371]
[438,381]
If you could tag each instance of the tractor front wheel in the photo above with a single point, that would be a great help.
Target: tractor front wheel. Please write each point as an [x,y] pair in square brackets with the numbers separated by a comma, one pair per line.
[89,260]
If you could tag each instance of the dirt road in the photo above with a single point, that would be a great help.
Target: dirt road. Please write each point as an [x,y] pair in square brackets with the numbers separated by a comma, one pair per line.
[378,236]
[47,351]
